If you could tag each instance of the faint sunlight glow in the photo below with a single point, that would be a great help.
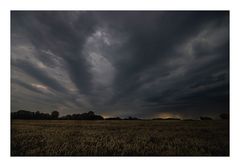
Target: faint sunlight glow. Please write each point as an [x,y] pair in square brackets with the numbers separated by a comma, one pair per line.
[39,86]
[166,115]
[41,65]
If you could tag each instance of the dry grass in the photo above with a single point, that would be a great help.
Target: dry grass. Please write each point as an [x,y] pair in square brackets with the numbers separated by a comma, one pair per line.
[133,138]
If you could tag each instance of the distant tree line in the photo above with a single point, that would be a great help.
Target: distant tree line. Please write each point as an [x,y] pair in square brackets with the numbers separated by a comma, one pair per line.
[23,114]
[224,116]
[84,116]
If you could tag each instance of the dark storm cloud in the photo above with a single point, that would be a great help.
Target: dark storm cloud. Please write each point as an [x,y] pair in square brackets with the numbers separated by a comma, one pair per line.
[58,34]
[40,75]
[125,63]
[155,41]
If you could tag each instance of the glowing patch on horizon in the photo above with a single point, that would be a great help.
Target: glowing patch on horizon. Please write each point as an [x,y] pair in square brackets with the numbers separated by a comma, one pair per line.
[166,115]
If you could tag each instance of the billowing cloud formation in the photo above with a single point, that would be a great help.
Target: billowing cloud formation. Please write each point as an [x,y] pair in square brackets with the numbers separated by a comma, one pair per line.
[121,63]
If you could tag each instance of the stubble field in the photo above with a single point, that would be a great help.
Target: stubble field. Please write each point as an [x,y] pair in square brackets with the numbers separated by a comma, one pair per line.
[119,138]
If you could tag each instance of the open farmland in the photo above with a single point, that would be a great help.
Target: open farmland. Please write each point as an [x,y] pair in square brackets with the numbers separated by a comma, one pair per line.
[119,138]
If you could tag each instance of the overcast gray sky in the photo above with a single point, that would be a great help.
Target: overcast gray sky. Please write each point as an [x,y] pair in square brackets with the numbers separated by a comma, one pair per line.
[141,64]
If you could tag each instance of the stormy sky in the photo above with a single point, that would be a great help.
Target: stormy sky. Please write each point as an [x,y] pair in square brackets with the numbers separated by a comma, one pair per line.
[121,63]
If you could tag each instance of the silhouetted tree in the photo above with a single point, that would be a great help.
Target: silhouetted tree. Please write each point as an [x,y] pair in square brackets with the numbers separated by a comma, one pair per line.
[224,116]
[22,114]
[45,116]
[90,116]
[37,115]
[55,115]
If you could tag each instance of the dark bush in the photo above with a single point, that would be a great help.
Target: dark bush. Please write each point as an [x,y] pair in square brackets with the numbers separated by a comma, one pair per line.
[224,116]
[205,118]
[172,119]
[132,118]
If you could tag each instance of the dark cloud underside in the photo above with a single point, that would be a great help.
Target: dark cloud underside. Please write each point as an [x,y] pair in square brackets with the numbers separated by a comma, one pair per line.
[121,63]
